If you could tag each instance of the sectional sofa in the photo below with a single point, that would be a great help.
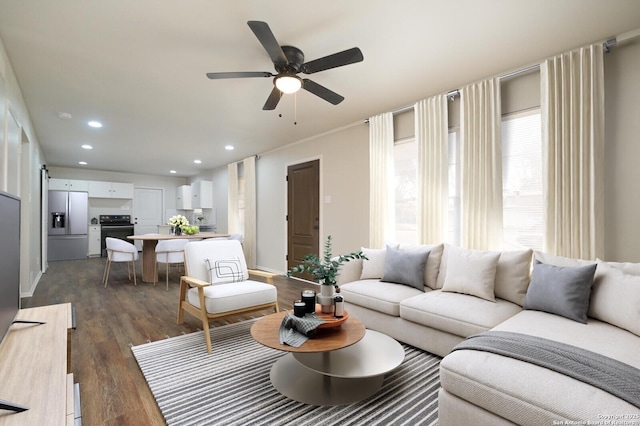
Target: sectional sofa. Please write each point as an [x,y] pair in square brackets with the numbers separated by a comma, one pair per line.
[435,297]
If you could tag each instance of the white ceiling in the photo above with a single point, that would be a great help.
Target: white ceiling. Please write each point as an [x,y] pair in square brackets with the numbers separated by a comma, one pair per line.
[139,67]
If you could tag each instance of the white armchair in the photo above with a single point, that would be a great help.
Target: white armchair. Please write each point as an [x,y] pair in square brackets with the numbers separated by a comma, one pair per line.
[216,284]
[169,252]
[120,251]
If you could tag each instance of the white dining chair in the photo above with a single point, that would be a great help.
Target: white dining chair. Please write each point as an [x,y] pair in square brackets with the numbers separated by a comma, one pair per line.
[169,252]
[120,251]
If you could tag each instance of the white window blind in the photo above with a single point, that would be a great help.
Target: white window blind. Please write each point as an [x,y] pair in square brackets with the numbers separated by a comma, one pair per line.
[405,161]
[523,200]
[454,220]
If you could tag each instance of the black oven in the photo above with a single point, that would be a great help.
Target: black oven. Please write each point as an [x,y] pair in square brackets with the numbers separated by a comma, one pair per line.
[114,226]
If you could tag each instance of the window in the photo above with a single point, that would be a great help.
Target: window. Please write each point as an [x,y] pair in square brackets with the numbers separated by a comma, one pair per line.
[454,219]
[523,198]
[522,191]
[405,158]
[241,204]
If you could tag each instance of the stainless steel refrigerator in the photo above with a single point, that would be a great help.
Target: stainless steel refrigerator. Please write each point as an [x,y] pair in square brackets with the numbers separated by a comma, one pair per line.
[68,225]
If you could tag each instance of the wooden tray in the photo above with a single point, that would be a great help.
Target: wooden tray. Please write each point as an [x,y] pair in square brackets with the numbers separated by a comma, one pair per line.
[331,321]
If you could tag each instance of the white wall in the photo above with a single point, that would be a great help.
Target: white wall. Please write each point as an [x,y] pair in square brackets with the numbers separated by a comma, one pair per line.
[25,182]
[344,173]
[622,152]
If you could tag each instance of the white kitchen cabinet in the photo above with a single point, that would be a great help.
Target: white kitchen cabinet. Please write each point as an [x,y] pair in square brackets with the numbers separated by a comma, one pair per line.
[122,190]
[68,185]
[183,197]
[99,189]
[94,240]
[202,194]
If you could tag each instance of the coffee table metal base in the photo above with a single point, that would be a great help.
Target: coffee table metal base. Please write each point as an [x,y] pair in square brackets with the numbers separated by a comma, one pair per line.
[301,384]
[338,377]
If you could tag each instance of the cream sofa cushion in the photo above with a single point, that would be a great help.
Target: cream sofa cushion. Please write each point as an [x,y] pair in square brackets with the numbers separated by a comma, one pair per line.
[377,295]
[471,272]
[615,298]
[551,259]
[456,313]
[527,394]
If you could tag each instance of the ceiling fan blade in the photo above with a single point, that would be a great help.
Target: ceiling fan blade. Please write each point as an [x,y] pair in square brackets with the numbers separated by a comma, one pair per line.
[241,74]
[321,91]
[346,57]
[268,41]
[272,100]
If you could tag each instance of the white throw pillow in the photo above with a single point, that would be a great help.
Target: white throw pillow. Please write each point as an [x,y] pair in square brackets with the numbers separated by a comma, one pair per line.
[471,272]
[434,260]
[615,297]
[225,270]
[373,266]
[513,275]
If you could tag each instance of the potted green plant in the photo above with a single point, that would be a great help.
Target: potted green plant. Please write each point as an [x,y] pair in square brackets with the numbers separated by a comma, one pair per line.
[325,270]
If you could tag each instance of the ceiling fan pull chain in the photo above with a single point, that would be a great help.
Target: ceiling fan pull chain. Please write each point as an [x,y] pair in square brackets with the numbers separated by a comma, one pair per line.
[295,109]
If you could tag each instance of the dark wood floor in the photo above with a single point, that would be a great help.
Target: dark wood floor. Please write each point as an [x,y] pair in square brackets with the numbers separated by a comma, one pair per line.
[109,320]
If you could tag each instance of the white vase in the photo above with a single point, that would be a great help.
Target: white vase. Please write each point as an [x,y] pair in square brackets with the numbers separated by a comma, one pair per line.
[326,290]
[325,298]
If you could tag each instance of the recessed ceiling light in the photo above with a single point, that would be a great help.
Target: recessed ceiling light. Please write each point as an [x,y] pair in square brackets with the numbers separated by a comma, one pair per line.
[64,116]
[85,146]
[197,161]
[229,147]
[172,171]
[95,124]
[83,163]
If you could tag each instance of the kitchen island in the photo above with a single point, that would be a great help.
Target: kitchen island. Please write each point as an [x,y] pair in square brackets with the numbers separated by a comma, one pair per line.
[149,243]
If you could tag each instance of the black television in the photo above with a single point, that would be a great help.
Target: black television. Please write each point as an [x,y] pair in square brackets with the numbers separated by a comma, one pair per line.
[9,261]
[9,271]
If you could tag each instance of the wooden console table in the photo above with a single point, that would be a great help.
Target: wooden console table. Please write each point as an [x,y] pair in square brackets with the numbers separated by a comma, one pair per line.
[35,368]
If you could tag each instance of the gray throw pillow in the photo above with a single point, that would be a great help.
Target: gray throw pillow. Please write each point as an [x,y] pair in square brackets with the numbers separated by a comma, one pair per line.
[405,267]
[559,290]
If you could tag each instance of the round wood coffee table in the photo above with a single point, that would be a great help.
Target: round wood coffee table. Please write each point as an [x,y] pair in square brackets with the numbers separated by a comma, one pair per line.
[338,366]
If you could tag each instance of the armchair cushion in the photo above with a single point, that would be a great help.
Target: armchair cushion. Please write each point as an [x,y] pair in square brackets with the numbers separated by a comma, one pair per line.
[233,296]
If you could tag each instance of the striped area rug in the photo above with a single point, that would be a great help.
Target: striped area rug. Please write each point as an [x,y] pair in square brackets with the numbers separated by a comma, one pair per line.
[232,386]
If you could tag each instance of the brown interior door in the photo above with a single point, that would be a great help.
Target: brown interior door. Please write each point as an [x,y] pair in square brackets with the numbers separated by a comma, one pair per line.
[303,207]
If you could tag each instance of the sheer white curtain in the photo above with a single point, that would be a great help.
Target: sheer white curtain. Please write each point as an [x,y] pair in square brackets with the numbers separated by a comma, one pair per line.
[381,204]
[233,224]
[249,244]
[431,129]
[573,149]
[481,161]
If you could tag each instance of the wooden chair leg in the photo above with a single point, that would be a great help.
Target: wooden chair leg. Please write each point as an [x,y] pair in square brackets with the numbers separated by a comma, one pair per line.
[107,269]
[133,264]
[183,295]
[205,320]
[167,275]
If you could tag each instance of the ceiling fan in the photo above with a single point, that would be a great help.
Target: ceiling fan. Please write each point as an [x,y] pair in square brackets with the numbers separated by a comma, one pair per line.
[288,62]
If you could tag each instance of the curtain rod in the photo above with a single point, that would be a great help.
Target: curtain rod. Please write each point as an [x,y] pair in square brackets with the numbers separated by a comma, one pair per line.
[606,45]
[451,94]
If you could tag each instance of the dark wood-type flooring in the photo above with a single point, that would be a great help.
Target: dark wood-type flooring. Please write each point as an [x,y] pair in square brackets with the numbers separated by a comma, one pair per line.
[112,388]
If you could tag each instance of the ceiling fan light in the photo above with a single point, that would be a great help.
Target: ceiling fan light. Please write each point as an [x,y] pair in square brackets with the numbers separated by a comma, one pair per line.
[288,83]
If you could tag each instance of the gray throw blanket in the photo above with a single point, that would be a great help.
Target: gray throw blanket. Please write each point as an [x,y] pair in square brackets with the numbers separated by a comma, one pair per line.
[294,331]
[612,376]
